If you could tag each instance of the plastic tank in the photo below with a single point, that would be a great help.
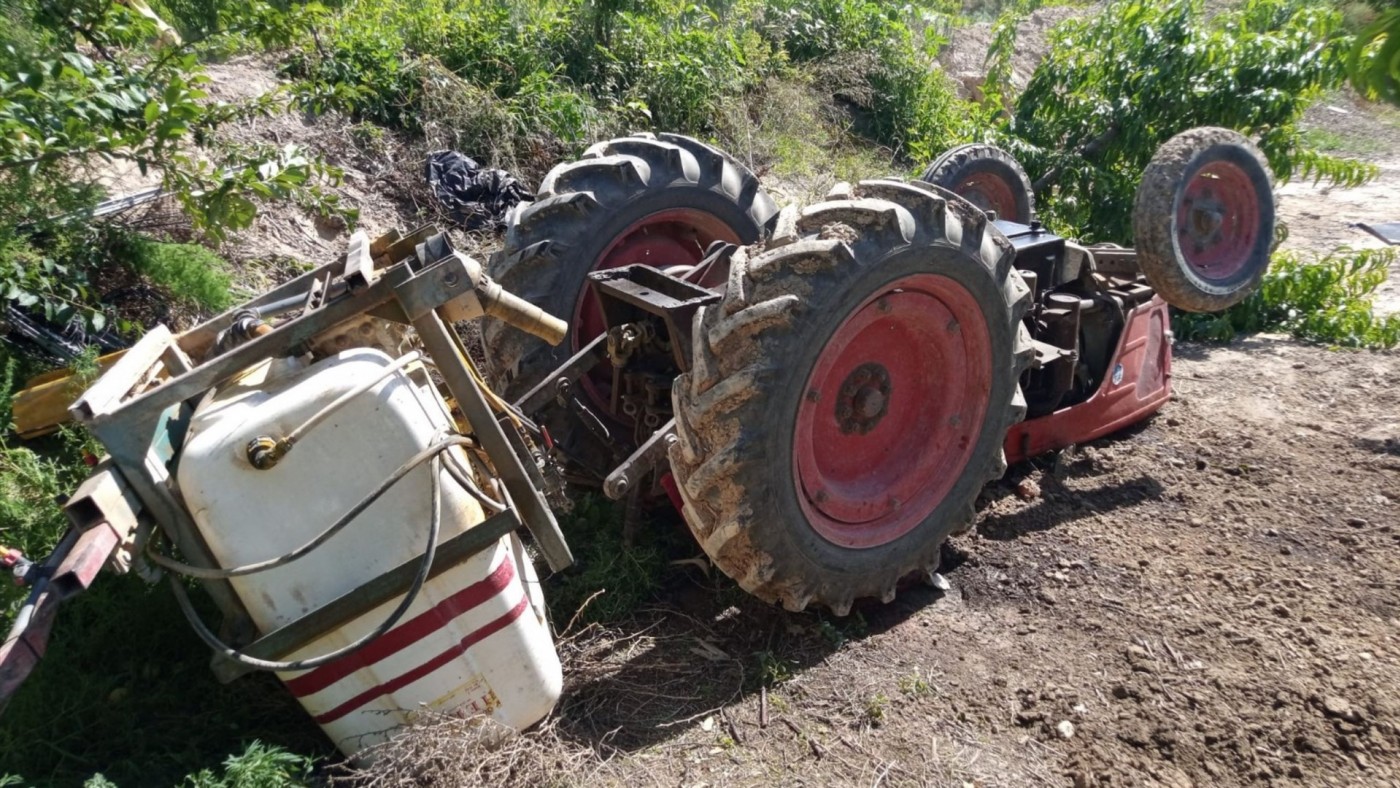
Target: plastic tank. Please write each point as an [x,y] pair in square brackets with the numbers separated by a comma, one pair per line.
[475,639]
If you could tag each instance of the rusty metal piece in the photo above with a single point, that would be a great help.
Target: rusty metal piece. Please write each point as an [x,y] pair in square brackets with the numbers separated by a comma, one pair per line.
[630,292]
[105,500]
[627,477]
[452,363]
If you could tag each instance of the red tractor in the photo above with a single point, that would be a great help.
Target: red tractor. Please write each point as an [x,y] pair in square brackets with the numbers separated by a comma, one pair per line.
[823,392]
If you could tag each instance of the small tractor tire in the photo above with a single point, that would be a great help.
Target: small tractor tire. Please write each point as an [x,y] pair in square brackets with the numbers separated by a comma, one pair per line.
[850,395]
[659,199]
[1203,219]
[986,176]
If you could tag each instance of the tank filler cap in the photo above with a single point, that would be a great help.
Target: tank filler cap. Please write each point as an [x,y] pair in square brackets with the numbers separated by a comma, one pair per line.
[265,452]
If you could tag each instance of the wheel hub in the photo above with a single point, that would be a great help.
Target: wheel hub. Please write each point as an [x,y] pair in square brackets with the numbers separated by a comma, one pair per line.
[892,411]
[1218,221]
[864,399]
[990,193]
[667,239]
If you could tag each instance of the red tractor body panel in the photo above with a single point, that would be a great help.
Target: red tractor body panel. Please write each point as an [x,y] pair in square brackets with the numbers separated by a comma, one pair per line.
[1137,385]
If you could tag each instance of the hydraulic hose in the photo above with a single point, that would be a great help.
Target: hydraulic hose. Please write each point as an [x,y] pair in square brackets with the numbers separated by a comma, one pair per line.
[219,573]
[339,402]
[424,566]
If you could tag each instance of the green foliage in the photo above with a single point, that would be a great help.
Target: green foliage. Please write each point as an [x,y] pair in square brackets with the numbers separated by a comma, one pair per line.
[1118,84]
[258,766]
[189,273]
[1374,60]
[125,689]
[1324,300]
[611,579]
[773,669]
[88,81]
[558,71]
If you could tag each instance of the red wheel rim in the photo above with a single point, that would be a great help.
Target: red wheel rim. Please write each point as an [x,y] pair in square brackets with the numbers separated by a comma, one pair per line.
[892,411]
[676,237]
[1217,221]
[990,193]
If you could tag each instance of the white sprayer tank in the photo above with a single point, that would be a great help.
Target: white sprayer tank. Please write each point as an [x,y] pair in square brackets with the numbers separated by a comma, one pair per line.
[474,641]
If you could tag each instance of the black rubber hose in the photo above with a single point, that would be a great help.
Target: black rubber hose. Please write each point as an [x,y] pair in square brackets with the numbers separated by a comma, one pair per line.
[212,640]
[216,573]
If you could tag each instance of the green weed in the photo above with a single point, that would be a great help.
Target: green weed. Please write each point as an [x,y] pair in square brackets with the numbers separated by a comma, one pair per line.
[875,709]
[915,685]
[258,766]
[1322,300]
[190,273]
[610,580]
[1333,142]
[773,669]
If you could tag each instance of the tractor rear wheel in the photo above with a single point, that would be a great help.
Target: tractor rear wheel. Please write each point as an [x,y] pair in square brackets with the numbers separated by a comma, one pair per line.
[653,199]
[986,176]
[850,395]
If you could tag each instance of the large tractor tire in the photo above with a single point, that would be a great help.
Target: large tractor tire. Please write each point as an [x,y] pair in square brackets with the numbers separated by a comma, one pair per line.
[654,199]
[987,177]
[850,395]
[1203,219]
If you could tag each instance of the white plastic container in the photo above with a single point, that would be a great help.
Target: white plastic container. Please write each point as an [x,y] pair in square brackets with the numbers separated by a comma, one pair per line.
[475,639]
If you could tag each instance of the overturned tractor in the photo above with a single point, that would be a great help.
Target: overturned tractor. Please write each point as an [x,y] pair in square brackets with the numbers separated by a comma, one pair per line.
[822,392]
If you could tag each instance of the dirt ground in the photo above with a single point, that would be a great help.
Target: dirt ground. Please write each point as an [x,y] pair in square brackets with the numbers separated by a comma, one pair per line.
[1322,218]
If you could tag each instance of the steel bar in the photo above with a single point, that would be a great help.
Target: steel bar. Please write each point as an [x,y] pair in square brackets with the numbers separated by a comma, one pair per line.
[451,361]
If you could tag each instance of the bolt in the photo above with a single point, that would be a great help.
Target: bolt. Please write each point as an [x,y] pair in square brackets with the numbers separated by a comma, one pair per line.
[813,395]
[883,305]
[450,278]
[870,402]
[953,327]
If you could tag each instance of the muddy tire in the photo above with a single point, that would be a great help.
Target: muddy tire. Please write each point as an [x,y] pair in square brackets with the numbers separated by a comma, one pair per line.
[1203,219]
[986,176]
[880,332]
[659,199]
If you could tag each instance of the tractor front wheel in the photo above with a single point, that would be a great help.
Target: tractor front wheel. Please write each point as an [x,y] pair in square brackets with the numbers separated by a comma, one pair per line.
[850,395]
[987,177]
[1203,219]
[656,200]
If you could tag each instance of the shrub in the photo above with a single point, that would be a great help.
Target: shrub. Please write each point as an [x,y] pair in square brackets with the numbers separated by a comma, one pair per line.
[1118,84]
[1323,300]
[83,81]
[191,274]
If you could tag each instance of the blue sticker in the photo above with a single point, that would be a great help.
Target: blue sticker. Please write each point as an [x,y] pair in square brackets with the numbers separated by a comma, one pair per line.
[1117,374]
